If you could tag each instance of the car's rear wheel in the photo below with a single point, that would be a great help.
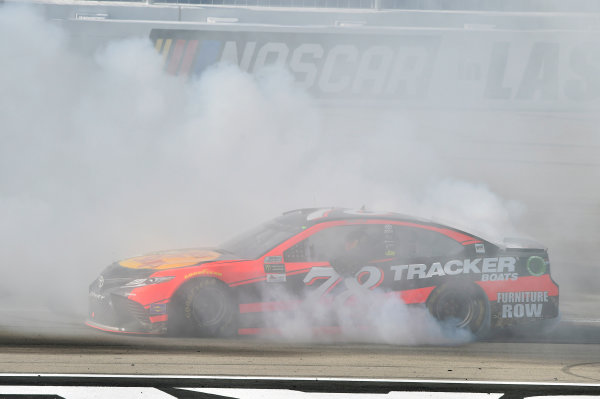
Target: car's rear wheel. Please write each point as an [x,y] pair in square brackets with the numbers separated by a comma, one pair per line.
[462,306]
[203,308]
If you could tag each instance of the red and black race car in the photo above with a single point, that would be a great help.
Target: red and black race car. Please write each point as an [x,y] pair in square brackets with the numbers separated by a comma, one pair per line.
[320,256]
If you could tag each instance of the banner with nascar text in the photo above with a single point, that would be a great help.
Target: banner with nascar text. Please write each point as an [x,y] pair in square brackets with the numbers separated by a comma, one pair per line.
[532,70]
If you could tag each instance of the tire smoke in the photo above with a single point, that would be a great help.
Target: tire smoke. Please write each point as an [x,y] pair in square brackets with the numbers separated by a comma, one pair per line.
[107,157]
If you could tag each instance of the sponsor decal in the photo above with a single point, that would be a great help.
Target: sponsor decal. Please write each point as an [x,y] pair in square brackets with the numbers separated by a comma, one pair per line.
[389,242]
[202,273]
[536,70]
[275,272]
[491,269]
[522,304]
[276,278]
[157,309]
[479,248]
[499,277]
[169,260]
[536,266]
[274,268]
[273,259]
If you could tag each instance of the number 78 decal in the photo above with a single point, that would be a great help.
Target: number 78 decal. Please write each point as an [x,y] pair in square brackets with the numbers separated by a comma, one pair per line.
[373,275]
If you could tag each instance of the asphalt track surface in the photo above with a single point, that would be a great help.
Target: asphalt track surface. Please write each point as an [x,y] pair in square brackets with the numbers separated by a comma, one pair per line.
[36,340]
[570,354]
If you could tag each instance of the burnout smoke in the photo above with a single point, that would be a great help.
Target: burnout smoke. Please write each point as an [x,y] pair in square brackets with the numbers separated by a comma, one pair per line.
[106,157]
[360,315]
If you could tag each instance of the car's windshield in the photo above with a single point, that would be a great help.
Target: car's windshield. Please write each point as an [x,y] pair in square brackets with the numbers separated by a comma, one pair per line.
[255,242]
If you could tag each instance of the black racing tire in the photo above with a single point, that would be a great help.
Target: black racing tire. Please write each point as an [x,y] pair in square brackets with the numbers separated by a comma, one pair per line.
[203,308]
[461,306]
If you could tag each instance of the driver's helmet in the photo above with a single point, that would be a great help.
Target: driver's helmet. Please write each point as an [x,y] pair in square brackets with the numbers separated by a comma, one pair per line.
[354,240]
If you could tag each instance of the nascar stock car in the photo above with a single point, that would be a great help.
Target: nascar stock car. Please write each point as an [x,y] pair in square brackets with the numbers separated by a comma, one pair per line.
[323,253]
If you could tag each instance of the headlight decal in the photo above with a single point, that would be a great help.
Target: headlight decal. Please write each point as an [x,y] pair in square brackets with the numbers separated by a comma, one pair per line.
[536,265]
[140,282]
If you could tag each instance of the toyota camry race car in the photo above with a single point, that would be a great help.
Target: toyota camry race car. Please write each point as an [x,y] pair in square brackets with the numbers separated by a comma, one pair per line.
[318,258]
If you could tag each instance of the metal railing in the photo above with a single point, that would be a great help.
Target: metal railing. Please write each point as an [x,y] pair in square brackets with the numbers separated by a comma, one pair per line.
[462,5]
[361,4]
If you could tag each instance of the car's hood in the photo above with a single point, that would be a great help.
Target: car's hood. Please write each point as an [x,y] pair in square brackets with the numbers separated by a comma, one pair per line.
[173,259]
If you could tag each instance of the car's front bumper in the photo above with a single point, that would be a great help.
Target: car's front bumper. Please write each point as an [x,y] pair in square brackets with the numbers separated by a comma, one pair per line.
[121,330]
[114,312]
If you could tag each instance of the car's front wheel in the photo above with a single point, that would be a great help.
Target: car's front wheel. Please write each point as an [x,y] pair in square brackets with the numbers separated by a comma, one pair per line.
[203,308]
[463,306]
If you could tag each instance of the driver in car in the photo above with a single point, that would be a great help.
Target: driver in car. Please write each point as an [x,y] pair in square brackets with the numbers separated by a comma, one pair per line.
[356,253]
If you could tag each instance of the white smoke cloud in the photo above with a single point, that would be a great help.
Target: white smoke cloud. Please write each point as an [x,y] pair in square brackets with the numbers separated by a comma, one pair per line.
[360,315]
[106,157]
[472,206]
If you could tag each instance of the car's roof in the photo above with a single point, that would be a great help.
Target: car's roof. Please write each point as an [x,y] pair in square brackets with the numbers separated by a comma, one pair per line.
[307,217]
[310,216]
